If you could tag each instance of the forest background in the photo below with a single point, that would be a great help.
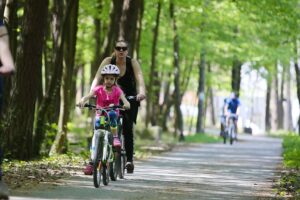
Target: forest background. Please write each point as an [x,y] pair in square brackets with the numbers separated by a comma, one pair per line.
[192,54]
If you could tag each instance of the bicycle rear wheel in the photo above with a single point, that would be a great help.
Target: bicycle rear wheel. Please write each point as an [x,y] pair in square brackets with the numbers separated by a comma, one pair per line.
[113,167]
[122,161]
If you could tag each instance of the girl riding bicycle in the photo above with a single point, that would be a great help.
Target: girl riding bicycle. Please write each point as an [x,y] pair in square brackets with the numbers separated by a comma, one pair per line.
[107,94]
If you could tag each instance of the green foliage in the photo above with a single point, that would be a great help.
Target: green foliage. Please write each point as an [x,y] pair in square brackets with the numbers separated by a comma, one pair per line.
[291,154]
[290,178]
[51,131]
[202,138]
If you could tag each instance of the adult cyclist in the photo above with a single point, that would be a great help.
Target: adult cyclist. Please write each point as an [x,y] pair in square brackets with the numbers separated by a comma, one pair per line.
[6,67]
[233,107]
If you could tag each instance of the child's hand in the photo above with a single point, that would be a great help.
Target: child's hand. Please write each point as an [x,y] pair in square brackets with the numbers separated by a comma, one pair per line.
[81,103]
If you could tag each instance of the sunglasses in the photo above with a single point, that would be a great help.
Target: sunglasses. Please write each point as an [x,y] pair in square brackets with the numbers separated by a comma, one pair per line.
[121,48]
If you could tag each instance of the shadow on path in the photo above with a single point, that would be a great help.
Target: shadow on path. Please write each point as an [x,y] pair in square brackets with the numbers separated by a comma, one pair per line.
[244,170]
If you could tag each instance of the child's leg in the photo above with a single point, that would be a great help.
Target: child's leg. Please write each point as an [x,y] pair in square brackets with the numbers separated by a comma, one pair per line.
[113,122]
[113,127]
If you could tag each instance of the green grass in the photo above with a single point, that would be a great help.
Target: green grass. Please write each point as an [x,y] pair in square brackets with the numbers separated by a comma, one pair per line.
[291,153]
[290,177]
[202,138]
[281,133]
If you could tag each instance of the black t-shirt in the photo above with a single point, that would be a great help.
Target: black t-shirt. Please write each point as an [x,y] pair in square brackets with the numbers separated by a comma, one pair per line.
[127,82]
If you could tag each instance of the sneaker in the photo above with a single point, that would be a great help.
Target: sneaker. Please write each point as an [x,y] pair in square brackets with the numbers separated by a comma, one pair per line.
[88,169]
[4,194]
[116,142]
[130,167]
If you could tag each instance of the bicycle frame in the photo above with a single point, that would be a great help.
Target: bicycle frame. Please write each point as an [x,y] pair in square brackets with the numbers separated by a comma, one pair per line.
[102,151]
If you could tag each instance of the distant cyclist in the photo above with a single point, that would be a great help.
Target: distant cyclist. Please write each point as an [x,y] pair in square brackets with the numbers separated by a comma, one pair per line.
[223,116]
[6,67]
[233,107]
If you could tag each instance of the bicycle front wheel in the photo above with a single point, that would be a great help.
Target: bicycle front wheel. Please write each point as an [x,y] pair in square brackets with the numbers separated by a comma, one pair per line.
[231,135]
[105,174]
[97,173]
[97,166]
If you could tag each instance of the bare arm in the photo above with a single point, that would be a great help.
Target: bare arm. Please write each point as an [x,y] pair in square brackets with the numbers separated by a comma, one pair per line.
[97,78]
[125,101]
[139,80]
[5,54]
[85,98]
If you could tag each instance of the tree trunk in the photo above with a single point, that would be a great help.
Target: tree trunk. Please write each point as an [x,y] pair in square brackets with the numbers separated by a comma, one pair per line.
[129,21]
[297,70]
[281,100]
[136,52]
[151,88]
[179,120]
[268,100]
[29,62]
[201,93]
[277,98]
[211,99]
[236,76]
[55,83]
[289,101]
[98,25]
[60,143]
[112,34]
[166,105]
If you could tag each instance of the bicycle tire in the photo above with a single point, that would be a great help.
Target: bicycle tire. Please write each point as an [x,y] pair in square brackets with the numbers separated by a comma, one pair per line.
[122,161]
[97,174]
[97,166]
[231,135]
[224,134]
[105,175]
[113,168]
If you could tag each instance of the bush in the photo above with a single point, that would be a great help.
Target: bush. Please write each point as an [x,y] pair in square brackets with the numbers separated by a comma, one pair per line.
[291,154]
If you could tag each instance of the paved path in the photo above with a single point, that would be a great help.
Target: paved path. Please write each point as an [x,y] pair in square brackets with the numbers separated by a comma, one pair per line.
[203,171]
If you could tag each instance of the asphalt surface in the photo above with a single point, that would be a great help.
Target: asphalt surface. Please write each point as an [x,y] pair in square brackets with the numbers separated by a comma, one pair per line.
[245,170]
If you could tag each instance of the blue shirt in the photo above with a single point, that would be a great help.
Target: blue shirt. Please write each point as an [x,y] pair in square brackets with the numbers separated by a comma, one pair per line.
[233,104]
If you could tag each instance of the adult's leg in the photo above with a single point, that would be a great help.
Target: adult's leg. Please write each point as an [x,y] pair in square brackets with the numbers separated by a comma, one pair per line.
[128,135]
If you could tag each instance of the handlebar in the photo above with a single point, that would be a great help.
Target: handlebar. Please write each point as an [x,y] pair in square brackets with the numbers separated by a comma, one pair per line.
[94,107]
[131,98]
